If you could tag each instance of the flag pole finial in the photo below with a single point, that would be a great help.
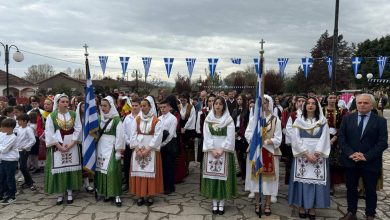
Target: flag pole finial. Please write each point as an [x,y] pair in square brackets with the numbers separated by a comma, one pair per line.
[86,51]
[262,42]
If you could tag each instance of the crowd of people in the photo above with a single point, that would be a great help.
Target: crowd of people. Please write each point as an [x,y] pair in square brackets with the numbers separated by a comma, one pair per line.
[144,147]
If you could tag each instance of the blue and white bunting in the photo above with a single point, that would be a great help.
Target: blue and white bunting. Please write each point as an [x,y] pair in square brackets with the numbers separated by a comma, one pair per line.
[257,65]
[190,65]
[236,60]
[147,61]
[381,64]
[356,61]
[306,63]
[212,66]
[282,65]
[168,65]
[329,60]
[124,62]
[103,63]
[91,126]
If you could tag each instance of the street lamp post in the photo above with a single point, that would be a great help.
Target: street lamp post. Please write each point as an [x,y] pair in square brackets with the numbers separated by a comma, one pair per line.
[369,76]
[335,44]
[135,74]
[18,57]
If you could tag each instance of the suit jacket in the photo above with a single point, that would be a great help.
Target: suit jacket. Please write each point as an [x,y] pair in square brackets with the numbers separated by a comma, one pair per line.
[372,143]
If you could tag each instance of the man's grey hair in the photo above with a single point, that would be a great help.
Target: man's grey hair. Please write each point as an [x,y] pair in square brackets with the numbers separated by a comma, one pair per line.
[372,98]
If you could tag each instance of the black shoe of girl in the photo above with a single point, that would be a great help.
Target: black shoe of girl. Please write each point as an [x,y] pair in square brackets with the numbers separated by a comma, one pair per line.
[118,201]
[140,201]
[149,202]
[69,200]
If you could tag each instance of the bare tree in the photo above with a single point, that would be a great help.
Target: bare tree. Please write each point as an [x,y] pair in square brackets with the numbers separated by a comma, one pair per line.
[36,73]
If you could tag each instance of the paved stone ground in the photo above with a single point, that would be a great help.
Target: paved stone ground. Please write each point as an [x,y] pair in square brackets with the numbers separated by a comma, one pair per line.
[186,203]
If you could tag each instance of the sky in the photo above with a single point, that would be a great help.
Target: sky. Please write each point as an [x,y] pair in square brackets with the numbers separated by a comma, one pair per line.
[54,32]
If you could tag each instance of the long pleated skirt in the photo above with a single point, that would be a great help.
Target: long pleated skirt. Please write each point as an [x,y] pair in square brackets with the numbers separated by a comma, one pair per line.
[308,195]
[145,187]
[220,189]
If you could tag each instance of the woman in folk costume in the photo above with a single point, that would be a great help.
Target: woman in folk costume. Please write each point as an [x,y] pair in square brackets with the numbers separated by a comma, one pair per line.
[80,119]
[310,142]
[63,159]
[111,143]
[146,175]
[272,135]
[334,117]
[219,180]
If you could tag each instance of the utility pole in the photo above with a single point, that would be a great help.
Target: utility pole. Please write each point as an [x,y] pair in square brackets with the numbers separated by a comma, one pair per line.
[335,44]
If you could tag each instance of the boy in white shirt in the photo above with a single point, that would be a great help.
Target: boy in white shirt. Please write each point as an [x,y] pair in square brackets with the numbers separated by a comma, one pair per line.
[24,142]
[9,156]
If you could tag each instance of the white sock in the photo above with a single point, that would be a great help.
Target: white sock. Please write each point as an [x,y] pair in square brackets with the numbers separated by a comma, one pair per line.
[69,192]
[215,204]
[86,182]
[60,198]
[221,205]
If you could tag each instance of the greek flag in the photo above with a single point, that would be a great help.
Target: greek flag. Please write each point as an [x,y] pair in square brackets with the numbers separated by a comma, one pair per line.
[168,65]
[381,63]
[257,142]
[236,60]
[329,60]
[147,61]
[212,65]
[306,63]
[190,65]
[124,62]
[356,61]
[282,65]
[91,126]
[103,63]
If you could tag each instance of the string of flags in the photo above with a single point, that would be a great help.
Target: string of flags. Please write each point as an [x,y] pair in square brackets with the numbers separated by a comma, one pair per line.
[307,63]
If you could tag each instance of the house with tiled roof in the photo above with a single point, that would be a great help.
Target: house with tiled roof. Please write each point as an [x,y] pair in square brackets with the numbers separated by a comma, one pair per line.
[61,80]
[18,87]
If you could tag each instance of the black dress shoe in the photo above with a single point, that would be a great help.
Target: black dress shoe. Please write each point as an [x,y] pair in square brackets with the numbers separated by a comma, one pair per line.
[107,199]
[302,215]
[140,202]
[221,212]
[349,216]
[59,202]
[215,212]
[149,202]
[311,217]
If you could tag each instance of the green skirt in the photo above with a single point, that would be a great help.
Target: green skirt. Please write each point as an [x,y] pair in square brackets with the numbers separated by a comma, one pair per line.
[220,189]
[60,182]
[110,184]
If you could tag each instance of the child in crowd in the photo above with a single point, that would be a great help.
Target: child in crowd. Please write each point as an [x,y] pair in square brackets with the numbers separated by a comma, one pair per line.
[25,140]
[9,156]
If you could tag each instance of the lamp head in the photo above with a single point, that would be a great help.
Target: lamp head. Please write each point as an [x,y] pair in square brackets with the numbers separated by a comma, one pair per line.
[359,76]
[18,56]
[369,75]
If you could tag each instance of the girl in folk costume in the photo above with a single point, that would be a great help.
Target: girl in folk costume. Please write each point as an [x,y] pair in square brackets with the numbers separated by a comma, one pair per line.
[334,117]
[310,142]
[272,134]
[207,106]
[80,119]
[146,175]
[63,159]
[41,121]
[111,143]
[219,173]
[187,124]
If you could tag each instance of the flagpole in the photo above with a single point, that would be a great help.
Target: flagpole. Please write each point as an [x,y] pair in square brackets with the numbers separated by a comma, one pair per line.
[261,117]
[334,49]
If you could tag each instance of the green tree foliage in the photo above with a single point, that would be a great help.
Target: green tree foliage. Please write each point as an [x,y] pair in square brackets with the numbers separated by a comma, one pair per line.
[370,50]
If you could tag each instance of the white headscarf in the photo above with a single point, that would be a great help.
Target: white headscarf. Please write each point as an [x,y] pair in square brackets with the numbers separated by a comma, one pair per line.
[57,99]
[152,105]
[342,104]
[128,101]
[221,122]
[270,103]
[303,124]
[112,113]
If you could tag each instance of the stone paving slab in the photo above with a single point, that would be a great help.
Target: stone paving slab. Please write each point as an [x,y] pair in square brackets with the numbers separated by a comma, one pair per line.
[186,203]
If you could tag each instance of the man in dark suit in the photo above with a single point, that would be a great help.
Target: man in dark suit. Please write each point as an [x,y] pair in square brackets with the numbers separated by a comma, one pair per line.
[363,138]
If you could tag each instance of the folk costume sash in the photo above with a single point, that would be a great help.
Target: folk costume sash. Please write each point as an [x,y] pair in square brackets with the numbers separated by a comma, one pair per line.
[144,166]
[216,168]
[65,161]
[268,157]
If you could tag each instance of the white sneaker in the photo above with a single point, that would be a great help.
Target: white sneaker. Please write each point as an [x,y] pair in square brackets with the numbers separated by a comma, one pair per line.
[251,195]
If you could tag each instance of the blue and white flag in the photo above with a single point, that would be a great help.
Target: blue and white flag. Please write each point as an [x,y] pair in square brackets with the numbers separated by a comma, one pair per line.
[381,63]
[147,61]
[190,65]
[212,66]
[306,63]
[356,61]
[282,65]
[90,126]
[124,62]
[168,65]
[236,60]
[329,60]
[257,65]
[255,156]
[103,63]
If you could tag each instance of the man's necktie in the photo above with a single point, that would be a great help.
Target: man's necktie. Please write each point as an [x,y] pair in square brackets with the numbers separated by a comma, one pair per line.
[360,127]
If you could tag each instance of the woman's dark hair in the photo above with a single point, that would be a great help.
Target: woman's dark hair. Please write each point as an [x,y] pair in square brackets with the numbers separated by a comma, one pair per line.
[223,103]
[325,100]
[245,106]
[173,102]
[33,98]
[8,110]
[23,117]
[20,108]
[186,96]
[33,117]
[317,111]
